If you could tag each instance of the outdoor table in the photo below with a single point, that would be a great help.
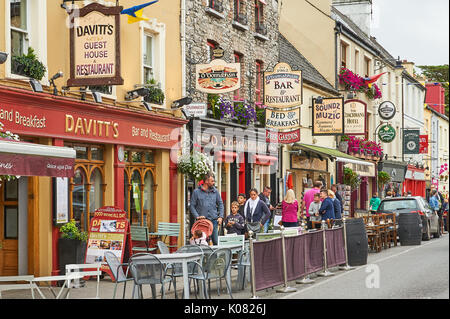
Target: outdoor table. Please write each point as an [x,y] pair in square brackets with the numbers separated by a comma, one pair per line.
[65,278]
[179,258]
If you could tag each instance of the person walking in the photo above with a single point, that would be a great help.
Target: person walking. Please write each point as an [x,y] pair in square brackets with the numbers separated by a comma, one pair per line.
[436,205]
[327,208]
[308,198]
[235,223]
[336,204]
[289,212]
[314,208]
[256,212]
[264,196]
[206,202]
[374,203]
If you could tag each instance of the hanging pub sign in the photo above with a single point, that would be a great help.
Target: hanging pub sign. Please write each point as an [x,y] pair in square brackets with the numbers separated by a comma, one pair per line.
[355,115]
[328,116]
[282,119]
[411,141]
[283,87]
[387,110]
[283,137]
[218,77]
[423,144]
[95,46]
[386,133]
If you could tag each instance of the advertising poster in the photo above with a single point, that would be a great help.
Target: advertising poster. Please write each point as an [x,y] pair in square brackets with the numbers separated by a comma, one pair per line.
[423,144]
[355,113]
[328,117]
[218,77]
[283,87]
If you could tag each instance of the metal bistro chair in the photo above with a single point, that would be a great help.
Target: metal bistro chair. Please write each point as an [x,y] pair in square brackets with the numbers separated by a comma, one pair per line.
[147,269]
[216,268]
[117,271]
[243,264]
[139,234]
[177,269]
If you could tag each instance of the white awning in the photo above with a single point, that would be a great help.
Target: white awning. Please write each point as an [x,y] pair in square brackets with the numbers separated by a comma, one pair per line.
[349,160]
[24,148]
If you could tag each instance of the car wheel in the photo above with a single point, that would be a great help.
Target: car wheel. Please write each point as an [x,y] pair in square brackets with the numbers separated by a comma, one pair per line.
[427,234]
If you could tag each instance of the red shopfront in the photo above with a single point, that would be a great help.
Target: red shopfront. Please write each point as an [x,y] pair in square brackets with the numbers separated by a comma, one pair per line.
[415,181]
[123,159]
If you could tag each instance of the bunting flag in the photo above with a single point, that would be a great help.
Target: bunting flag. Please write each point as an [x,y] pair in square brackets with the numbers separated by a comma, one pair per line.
[373,78]
[135,14]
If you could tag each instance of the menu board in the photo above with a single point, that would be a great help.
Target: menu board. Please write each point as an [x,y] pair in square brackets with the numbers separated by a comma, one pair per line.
[346,192]
[109,231]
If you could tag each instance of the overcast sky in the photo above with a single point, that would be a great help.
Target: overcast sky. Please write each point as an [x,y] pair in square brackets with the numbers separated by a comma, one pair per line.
[415,30]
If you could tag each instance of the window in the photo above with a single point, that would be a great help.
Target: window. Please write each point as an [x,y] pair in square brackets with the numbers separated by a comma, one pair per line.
[239,58]
[148,58]
[216,5]
[356,61]
[87,187]
[367,66]
[239,12]
[344,50]
[19,29]
[259,82]
[259,18]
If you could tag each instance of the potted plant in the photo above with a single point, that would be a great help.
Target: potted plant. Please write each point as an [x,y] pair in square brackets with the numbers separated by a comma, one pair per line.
[196,165]
[383,179]
[71,245]
[155,95]
[351,178]
[28,65]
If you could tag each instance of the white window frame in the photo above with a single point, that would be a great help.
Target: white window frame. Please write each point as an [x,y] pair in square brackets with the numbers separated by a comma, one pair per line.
[157,31]
[37,34]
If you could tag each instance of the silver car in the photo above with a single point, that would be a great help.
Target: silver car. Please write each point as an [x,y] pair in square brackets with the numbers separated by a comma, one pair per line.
[414,204]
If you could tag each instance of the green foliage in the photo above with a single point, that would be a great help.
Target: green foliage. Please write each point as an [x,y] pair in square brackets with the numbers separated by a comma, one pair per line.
[438,73]
[261,116]
[28,65]
[156,95]
[212,103]
[383,178]
[351,178]
[71,231]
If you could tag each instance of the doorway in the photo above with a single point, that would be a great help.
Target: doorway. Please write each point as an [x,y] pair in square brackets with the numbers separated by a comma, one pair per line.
[9,227]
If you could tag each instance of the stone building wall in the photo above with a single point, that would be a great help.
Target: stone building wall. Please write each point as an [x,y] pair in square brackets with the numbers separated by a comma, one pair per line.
[203,24]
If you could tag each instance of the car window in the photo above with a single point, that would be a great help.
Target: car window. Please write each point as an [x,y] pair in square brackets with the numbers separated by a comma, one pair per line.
[425,203]
[398,204]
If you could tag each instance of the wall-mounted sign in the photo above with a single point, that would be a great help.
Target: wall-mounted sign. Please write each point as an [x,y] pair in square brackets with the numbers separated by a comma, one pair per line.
[218,77]
[386,133]
[424,144]
[411,141]
[387,110]
[302,162]
[95,47]
[355,117]
[328,117]
[283,137]
[283,119]
[362,170]
[283,87]
[195,109]
[218,53]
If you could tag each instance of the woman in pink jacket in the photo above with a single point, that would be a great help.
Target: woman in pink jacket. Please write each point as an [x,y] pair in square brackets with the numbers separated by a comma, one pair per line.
[289,214]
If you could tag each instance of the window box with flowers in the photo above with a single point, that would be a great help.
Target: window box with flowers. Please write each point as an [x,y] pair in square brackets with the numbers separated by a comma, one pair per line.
[355,83]
[240,112]
[362,147]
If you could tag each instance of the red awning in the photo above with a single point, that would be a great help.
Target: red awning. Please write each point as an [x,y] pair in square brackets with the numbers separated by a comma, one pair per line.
[28,159]
[225,156]
[264,159]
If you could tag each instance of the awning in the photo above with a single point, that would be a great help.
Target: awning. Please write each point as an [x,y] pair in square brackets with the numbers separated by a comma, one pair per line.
[225,156]
[28,159]
[264,159]
[334,155]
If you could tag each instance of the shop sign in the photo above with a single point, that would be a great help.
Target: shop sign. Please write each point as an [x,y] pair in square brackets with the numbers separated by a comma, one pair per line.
[362,170]
[386,133]
[411,142]
[95,46]
[283,87]
[302,162]
[280,119]
[387,110]
[195,109]
[218,77]
[283,137]
[415,175]
[328,117]
[355,114]
[423,144]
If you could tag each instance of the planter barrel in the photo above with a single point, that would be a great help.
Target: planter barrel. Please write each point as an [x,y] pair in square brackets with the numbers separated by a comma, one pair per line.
[357,243]
[71,251]
[409,229]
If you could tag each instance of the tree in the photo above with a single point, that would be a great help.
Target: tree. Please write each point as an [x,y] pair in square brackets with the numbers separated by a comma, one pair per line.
[437,73]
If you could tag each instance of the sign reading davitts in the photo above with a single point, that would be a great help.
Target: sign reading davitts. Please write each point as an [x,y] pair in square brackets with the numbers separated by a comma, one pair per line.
[283,87]
[95,47]
[283,119]
[218,77]
[355,117]
[328,117]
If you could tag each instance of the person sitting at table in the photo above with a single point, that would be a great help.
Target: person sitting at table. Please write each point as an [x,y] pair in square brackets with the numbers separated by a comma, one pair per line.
[235,223]
[198,238]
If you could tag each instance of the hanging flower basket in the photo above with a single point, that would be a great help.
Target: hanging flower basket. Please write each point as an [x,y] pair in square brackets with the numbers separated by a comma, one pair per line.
[196,165]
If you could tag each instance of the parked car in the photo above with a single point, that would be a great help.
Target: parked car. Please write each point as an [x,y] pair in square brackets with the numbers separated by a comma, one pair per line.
[413,204]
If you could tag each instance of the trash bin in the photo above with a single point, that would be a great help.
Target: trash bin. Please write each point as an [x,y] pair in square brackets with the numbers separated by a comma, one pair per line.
[357,244]
[409,229]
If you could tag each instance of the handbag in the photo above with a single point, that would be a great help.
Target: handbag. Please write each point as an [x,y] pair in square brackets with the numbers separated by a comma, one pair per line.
[254,226]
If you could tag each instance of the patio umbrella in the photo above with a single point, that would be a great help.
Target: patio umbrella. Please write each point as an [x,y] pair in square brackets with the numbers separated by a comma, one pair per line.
[204,225]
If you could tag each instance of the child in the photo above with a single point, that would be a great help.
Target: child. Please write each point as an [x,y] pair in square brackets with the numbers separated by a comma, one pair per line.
[314,209]
[234,223]
[199,238]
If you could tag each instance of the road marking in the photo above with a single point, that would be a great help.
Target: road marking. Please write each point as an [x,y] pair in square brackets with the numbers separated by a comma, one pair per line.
[356,269]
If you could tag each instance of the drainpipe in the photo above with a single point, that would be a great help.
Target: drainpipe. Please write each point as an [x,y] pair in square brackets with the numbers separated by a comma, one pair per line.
[183,94]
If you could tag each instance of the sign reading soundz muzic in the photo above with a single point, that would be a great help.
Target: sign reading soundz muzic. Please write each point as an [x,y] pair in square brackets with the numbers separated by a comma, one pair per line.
[95,47]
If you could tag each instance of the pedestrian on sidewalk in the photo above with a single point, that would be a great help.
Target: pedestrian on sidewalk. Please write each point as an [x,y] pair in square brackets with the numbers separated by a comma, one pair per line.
[265,197]
[327,208]
[256,212]
[289,212]
[206,202]
[375,202]
[336,204]
[314,208]
[241,200]
[235,223]
[308,198]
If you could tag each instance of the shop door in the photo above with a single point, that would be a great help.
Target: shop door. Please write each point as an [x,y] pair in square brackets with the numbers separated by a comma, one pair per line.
[9,218]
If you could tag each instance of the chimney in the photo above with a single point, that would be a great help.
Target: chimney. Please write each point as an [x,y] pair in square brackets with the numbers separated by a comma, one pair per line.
[359,11]
[409,67]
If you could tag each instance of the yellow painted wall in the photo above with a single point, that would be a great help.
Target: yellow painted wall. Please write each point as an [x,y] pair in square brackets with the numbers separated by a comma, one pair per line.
[310,29]
[427,131]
